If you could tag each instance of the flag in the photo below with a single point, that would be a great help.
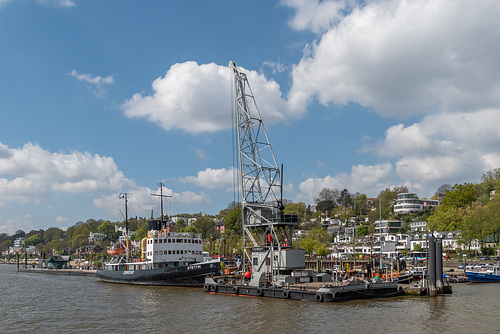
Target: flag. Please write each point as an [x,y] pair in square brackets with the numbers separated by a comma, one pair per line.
[122,196]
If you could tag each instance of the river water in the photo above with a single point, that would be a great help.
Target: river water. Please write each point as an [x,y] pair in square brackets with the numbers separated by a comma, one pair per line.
[42,303]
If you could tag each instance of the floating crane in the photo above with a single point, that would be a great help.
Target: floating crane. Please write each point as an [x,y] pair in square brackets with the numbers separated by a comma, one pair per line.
[267,231]
[273,263]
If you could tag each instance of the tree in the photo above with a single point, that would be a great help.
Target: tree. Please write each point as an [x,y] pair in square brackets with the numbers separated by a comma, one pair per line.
[417,248]
[460,195]
[445,219]
[491,177]
[188,229]
[362,231]
[106,228]
[325,206]
[33,240]
[232,221]
[327,194]
[345,199]
[204,225]
[296,208]
[493,224]
[179,224]
[476,222]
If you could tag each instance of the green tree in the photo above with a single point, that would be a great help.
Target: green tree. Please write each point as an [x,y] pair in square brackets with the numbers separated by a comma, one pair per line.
[309,245]
[188,229]
[296,208]
[33,240]
[325,206]
[106,228]
[460,196]
[205,225]
[232,221]
[493,224]
[476,222]
[445,219]
[362,231]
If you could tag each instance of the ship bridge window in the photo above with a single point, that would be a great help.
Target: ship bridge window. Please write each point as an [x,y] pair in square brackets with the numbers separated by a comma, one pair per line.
[169,240]
[161,241]
[156,241]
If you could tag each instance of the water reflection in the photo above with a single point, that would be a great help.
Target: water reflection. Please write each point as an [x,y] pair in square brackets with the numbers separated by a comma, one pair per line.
[31,302]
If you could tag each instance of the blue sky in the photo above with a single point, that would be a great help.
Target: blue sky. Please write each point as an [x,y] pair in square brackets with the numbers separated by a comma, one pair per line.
[103,97]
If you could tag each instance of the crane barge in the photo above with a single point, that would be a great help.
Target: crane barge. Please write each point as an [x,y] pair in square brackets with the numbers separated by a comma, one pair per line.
[273,265]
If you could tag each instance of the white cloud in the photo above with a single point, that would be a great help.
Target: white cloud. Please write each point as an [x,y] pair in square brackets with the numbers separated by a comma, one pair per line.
[3,3]
[402,57]
[61,219]
[57,3]
[366,179]
[212,178]
[444,147]
[31,173]
[315,15]
[197,98]
[95,82]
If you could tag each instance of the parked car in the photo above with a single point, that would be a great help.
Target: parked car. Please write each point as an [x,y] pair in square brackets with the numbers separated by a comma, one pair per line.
[461,266]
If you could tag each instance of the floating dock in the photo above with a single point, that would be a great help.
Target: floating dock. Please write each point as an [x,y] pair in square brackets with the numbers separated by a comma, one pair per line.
[326,293]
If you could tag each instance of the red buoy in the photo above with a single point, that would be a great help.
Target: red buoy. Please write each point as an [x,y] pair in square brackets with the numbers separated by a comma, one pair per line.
[248,274]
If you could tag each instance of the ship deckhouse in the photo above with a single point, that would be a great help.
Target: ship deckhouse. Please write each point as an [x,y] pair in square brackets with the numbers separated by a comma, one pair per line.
[164,247]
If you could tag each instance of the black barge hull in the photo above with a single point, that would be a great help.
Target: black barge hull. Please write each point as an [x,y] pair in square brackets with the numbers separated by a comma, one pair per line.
[191,275]
[327,294]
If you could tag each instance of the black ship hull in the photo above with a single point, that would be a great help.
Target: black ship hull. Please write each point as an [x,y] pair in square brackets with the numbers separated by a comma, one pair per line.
[185,275]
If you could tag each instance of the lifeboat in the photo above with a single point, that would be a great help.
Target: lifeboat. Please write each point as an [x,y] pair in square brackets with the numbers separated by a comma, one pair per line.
[116,251]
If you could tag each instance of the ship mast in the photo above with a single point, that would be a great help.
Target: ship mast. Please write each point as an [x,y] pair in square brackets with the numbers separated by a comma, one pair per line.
[124,196]
[160,184]
[266,230]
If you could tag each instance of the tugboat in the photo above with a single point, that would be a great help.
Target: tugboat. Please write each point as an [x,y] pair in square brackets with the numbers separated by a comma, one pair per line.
[169,258]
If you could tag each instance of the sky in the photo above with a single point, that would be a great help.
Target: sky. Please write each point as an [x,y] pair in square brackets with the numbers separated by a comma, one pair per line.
[99,98]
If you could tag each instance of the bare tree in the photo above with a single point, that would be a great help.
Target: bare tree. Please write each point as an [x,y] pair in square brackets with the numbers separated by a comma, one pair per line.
[327,194]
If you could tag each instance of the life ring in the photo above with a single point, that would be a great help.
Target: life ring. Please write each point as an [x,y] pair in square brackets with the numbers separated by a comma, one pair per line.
[318,297]
[235,289]
[260,292]
[286,294]
[213,288]
[335,296]
[400,288]
[206,287]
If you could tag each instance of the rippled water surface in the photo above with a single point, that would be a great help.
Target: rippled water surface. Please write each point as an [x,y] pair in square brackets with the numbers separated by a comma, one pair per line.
[41,303]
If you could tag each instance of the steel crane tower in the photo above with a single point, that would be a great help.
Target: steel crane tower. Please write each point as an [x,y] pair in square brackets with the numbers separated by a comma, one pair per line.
[267,232]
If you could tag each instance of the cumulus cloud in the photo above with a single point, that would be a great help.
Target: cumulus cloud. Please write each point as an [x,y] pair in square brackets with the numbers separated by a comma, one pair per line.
[401,58]
[212,178]
[365,179]
[197,98]
[443,147]
[95,83]
[315,15]
[31,173]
